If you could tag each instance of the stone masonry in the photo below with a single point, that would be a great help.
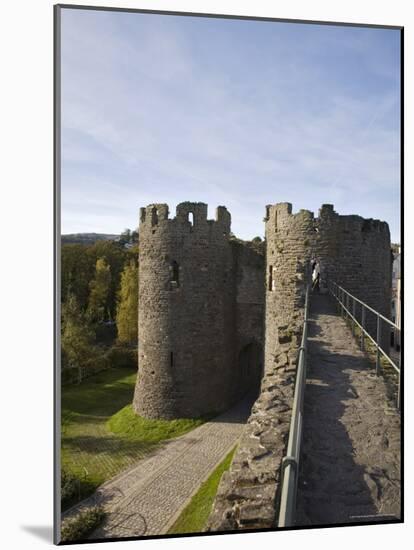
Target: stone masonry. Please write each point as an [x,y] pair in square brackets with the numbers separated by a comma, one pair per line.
[249,490]
[196,285]
[209,304]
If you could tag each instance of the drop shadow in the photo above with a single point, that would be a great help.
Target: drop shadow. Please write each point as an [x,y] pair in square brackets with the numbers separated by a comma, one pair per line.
[42,532]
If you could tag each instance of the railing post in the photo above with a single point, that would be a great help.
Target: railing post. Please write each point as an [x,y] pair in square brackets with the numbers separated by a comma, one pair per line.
[377,367]
[363,328]
[353,315]
[399,389]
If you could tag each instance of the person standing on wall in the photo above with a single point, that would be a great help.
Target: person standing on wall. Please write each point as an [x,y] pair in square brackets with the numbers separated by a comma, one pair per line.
[316,277]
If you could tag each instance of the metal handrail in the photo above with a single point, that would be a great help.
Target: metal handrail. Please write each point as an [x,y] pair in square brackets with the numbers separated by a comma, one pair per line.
[339,293]
[290,463]
[365,305]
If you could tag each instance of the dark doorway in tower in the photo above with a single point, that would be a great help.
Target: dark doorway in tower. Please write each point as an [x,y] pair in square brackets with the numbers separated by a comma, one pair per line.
[250,368]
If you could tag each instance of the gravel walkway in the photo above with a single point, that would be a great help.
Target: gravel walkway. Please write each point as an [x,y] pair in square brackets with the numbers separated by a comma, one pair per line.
[147,498]
[350,465]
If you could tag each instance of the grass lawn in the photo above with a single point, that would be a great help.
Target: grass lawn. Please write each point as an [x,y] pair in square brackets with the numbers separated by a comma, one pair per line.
[126,423]
[194,516]
[101,436]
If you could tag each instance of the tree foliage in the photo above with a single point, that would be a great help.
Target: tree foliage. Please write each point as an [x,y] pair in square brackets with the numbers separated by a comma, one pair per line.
[77,336]
[127,311]
[99,282]
[77,269]
[98,305]
[115,256]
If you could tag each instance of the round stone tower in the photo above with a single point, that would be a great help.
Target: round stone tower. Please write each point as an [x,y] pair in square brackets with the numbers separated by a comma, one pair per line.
[356,253]
[288,251]
[186,312]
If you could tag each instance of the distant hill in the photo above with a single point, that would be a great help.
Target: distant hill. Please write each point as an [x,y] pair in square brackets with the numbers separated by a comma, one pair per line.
[88,238]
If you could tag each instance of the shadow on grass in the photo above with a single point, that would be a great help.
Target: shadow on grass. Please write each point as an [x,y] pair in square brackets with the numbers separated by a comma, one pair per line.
[102,395]
[108,444]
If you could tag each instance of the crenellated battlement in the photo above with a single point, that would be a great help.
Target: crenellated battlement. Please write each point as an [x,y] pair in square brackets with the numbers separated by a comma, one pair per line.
[153,214]
[279,216]
[190,215]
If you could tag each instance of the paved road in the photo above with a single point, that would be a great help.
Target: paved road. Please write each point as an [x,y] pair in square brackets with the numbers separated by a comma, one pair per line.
[350,466]
[147,498]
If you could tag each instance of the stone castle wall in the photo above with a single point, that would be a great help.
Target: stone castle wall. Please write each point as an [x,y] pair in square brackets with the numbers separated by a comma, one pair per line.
[356,254]
[250,297]
[249,490]
[352,252]
[218,315]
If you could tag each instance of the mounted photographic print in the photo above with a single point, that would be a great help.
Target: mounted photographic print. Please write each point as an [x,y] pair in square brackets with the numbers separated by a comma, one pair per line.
[228,274]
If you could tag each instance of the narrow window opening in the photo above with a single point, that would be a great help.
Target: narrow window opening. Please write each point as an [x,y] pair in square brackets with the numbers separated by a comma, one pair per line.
[270,278]
[171,359]
[191,218]
[174,275]
[154,216]
[175,272]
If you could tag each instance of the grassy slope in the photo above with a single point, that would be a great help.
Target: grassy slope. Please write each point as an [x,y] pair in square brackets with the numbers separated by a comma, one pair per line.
[194,517]
[126,423]
[101,435]
[89,450]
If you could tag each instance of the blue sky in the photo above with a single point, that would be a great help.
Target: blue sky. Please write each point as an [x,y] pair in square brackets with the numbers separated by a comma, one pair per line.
[159,108]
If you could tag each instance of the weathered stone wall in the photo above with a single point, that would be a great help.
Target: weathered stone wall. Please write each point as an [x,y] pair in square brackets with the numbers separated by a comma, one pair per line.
[205,339]
[353,252]
[356,254]
[250,297]
[249,492]
[186,313]
[201,302]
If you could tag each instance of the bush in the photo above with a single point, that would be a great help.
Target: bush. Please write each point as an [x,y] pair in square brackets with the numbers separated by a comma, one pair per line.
[123,356]
[69,485]
[98,362]
[83,524]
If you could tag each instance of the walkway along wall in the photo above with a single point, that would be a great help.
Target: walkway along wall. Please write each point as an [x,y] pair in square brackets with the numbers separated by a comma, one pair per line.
[354,253]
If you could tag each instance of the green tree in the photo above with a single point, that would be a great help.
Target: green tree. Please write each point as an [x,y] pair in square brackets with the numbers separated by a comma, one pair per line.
[134,237]
[116,256]
[77,270]
[98,305]
[125,236]
[127,310]
[77,336]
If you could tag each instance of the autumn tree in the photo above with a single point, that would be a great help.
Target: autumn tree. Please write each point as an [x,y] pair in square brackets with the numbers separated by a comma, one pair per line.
[115,256]
[127,310]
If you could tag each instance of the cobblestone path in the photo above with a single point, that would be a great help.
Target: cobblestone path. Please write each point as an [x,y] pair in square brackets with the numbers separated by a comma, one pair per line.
[350,464]
[147,498]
